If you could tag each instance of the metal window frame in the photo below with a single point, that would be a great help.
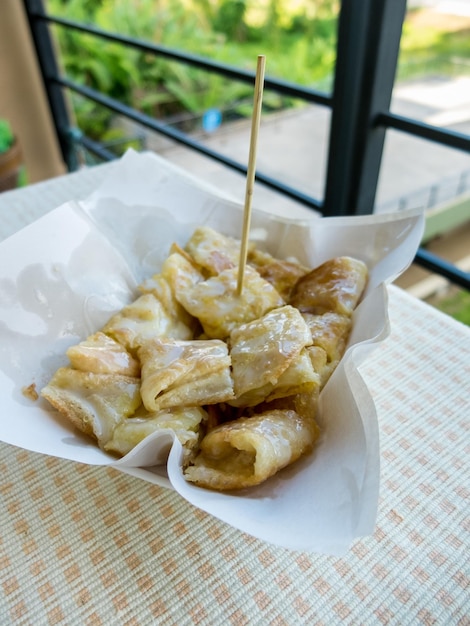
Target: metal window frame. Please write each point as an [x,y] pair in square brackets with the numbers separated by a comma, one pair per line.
[369,33]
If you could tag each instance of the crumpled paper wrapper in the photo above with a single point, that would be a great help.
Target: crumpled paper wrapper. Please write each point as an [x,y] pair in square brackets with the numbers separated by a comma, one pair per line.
[62,277]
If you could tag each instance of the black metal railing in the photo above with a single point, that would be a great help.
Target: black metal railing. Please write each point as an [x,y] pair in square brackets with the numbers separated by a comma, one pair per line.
[369,33]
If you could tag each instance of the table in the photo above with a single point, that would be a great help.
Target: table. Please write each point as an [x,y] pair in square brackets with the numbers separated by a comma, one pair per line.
[91,545]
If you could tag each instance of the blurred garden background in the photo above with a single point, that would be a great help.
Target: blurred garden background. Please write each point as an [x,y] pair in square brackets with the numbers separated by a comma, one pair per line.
[298,38]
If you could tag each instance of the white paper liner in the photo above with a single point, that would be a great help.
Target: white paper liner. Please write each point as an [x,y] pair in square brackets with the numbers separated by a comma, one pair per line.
[63,276]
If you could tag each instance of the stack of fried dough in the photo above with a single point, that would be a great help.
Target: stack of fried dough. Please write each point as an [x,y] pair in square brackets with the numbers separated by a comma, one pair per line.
[235,376]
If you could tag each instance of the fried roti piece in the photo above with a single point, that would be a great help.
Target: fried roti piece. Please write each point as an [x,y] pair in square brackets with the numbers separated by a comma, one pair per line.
[283,275]
[101,354]
[184,373]
[142,320]
[263,349]
[330,333]
[249,450]
[335,286]
[184,422]
[93,403]
[327,297]
[213,251]
[218,306]
[160,285]
[181,271]
[299,378]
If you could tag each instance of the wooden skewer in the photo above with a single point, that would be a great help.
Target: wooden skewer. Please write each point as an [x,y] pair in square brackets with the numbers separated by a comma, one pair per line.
[250,177]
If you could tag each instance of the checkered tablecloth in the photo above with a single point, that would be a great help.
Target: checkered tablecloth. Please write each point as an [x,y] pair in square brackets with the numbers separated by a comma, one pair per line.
[87,545]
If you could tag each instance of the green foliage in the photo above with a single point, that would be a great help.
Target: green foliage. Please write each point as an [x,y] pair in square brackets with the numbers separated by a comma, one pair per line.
[224,30]
[298,39]
[456,304]
[432,49]
[230,19]
[6,136]
[156,86]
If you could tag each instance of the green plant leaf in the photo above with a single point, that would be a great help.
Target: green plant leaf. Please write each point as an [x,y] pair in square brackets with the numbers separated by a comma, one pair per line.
[6,136]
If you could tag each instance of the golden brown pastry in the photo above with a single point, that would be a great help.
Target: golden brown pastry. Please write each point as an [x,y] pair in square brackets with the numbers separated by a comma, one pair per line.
[283,275]
[330,333]
[262,350]
[327,297]
[213,251]
[184,373]
[219,308]
[299,377]
[142,320]
[181,271]
[160,285]
[184,422]
[248,451]
[101,354]
[93,403]
[336,286]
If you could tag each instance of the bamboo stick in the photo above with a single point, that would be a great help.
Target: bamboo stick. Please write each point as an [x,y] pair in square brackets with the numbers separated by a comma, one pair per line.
[250,177]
